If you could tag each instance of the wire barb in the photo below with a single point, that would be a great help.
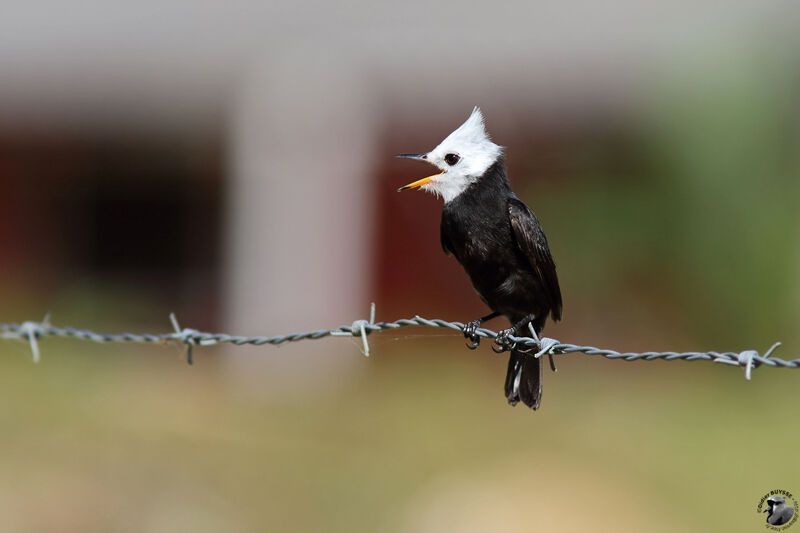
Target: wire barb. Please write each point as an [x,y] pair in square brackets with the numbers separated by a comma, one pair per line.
[359,329]
[186,336]
[31,332]
[746,360]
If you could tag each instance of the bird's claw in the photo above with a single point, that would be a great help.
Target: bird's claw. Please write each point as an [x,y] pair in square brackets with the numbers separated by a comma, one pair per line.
[502,342]
[471,334]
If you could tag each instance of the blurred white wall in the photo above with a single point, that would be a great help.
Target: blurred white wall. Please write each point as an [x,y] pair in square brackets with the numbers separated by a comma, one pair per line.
[301,150]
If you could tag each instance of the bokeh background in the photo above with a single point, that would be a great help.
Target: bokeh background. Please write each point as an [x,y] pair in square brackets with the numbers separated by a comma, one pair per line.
[232,162]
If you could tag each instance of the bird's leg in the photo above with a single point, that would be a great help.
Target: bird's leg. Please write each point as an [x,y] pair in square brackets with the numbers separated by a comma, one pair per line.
[471,328]
[502,342]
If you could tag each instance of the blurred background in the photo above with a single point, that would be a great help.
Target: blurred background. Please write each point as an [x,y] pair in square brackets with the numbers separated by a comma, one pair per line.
[232,162]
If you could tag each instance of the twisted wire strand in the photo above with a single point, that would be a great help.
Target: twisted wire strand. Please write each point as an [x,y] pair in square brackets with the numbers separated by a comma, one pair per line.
[32,331]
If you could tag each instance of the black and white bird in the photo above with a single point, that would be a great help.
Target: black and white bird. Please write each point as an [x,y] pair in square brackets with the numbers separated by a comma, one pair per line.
[778,512]
[499,242]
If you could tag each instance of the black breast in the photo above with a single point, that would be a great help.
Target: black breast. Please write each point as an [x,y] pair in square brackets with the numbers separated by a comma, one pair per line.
[476,229]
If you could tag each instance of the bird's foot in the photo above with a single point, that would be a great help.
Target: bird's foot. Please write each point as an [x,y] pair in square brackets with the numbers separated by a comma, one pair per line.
[502,342]
[471,333]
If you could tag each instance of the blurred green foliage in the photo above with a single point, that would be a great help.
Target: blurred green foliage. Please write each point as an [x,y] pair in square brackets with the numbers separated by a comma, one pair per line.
[692,210]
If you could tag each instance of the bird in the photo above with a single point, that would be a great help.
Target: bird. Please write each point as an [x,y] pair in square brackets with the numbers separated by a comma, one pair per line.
[778,512]
[498,240]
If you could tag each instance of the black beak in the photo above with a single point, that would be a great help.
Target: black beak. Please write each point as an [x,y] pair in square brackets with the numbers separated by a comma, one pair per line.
[413,156]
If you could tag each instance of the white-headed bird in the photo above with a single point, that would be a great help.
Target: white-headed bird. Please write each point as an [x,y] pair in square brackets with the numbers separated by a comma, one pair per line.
[499,242]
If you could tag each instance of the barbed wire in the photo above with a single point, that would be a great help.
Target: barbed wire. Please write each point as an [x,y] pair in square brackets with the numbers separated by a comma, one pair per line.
[31,332]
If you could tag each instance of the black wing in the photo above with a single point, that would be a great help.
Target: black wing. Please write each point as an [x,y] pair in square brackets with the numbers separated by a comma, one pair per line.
[533,244]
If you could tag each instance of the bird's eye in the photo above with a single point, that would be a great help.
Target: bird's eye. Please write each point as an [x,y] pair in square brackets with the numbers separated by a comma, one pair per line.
[451,159]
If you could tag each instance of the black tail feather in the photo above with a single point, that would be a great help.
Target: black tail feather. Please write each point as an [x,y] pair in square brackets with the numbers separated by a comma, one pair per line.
[512,387]
[524,379]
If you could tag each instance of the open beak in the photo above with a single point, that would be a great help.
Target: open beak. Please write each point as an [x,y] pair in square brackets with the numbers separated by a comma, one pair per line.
[423,181]
[418,183]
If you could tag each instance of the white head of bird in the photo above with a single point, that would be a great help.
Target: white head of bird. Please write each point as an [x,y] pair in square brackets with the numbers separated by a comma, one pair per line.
[463,157]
